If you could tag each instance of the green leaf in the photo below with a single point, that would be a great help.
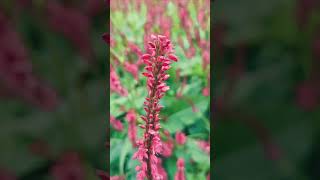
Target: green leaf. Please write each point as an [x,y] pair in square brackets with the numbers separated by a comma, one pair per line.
[185,117]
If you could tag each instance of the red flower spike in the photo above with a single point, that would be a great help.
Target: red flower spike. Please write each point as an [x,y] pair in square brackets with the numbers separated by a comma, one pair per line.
[157,59]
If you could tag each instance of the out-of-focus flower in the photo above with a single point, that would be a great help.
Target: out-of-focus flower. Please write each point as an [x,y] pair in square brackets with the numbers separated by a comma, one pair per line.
[115,84]
[204,145]
[69,166]
[73,24]
[203,17]
[205,59]
[132,69]
[116,124]
[117,178]
[191,52]
[206,91]
[167,148]
[132,128]
[307,96]
[181,138]
[134,48]
[316,47]
[180,174]
[6,175]
[304,10]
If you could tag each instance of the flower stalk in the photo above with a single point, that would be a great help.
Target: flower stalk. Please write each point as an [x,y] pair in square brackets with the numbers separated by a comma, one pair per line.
[157,59]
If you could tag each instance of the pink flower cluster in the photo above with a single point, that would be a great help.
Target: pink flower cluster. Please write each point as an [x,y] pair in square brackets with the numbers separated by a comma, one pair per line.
[115,84]
[158,59]
[116,124]
[132,128]
[180,175]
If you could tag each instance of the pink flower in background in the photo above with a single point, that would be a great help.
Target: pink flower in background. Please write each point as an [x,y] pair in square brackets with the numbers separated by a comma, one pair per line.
[168,145]
[157,59]
[181,138]
[115,85]
[304,11]
[206,91]
[180,174]
[205,59]
[203,17]
[132,128]
[165,25]
[73,24]
[132,69]
[191,52]
[307,96]
[134,48]
[204,145]
[69,166]
[116,124]
[117,178]
[167,148]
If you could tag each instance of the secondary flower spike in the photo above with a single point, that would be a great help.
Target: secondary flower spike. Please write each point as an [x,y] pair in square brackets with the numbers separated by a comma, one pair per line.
[158,58]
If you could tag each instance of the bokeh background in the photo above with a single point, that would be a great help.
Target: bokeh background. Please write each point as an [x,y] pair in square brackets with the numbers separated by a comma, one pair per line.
[53,106]
[266,81]
[186,104]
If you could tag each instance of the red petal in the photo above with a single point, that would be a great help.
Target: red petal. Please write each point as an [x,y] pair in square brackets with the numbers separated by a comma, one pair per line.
[173,57]
[146,56]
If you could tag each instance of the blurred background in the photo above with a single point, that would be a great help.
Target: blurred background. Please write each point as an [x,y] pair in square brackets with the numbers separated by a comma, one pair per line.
[53,89]
[267,90]
[185,117]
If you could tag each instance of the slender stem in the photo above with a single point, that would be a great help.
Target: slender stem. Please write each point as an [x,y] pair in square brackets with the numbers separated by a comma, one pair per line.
[151,110]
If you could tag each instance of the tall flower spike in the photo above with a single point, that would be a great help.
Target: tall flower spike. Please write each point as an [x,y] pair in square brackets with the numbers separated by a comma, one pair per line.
[132,128]
[180,175]
[157,59]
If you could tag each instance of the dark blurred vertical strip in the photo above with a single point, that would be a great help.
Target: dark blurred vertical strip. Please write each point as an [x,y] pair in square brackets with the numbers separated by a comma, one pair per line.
[212,89]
